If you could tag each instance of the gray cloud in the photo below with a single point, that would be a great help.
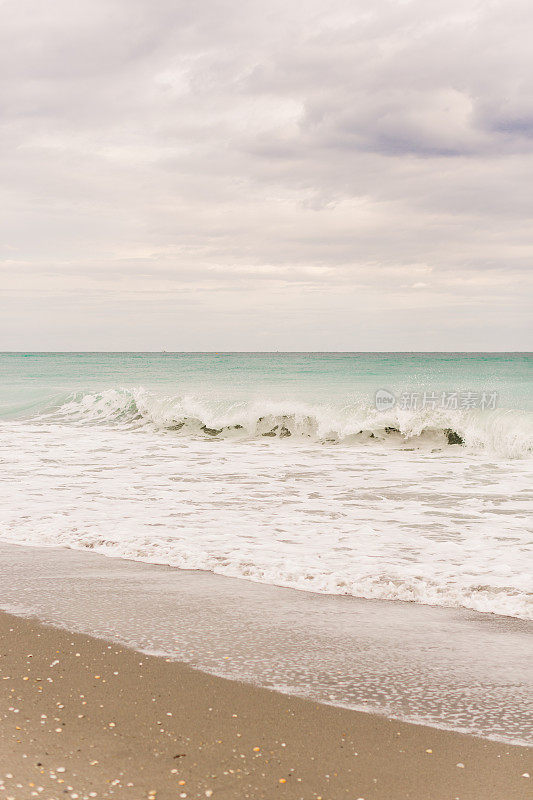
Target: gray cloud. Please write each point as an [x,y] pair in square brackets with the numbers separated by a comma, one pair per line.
[367,164]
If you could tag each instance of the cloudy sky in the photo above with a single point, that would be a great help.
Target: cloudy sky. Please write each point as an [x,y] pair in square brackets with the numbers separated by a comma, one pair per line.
[318,175]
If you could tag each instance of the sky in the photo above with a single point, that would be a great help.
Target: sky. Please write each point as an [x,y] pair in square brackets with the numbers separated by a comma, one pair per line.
[213,175]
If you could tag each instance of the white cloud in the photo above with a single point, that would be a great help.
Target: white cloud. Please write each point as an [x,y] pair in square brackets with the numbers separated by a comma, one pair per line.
[176,171]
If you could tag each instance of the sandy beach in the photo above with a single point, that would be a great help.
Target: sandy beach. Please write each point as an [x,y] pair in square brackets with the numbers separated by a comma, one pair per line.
[85,718]
[266,400]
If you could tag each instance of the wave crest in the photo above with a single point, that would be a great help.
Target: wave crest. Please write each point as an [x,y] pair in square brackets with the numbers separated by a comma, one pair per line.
[507,433]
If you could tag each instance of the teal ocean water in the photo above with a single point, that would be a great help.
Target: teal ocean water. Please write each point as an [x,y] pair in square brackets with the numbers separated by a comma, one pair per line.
[387,475]
[33,381]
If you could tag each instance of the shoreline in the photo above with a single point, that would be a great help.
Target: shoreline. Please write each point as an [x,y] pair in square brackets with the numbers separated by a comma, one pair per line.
[85,717]
[444,668]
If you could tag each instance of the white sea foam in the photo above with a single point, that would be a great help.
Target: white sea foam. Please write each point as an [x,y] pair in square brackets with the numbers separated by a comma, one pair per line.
[507,433]
[341,506]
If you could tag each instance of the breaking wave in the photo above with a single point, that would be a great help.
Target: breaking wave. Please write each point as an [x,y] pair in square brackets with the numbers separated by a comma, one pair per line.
[507,433]
[322,497]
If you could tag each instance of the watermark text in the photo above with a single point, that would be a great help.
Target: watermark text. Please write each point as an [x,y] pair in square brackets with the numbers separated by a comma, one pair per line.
[444,400]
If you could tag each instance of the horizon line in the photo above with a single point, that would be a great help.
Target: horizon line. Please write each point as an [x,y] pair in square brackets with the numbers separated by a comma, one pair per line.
[265,352]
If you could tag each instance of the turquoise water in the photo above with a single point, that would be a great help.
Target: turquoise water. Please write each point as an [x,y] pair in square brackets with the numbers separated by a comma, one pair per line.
[33,379]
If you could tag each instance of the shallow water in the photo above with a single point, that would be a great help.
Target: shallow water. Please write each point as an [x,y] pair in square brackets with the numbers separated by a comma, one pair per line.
[447,668]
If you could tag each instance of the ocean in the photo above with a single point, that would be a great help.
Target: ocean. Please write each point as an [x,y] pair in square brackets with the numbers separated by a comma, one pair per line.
[392,476]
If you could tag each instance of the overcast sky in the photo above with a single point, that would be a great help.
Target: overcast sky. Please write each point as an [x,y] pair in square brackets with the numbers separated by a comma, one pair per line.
[216,175]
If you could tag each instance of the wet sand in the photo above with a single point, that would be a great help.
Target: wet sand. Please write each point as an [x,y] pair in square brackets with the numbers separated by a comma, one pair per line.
[442,667]
[84,718]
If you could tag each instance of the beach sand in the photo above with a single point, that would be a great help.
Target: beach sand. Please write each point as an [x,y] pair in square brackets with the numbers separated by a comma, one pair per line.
[83,718]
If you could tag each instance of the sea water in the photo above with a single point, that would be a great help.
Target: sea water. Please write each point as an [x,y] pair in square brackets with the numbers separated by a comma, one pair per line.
[448,668]
[281,468]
